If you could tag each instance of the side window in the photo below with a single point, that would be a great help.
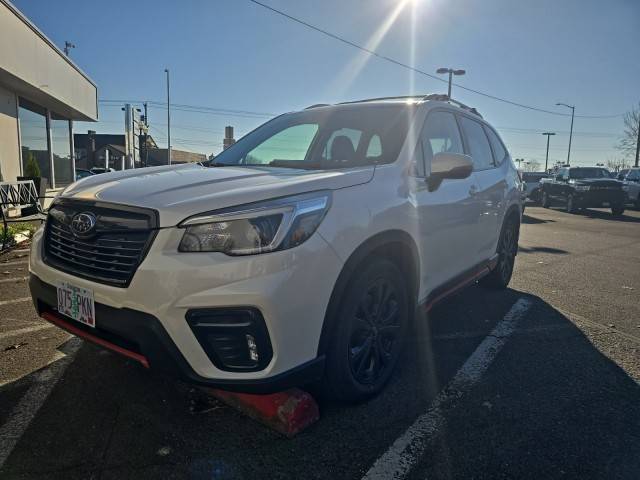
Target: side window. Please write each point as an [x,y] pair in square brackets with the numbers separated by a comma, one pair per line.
[440,134]
[290,144]
[499,153]
[478,144]
[374,150]
[633,175]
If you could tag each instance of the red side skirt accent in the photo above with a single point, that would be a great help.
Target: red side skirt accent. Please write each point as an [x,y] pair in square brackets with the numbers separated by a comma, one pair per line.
[60,322]
[463,283]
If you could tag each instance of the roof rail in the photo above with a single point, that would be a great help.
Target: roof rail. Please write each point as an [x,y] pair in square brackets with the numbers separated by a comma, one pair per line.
[397,97]
[316,105]
[441,97]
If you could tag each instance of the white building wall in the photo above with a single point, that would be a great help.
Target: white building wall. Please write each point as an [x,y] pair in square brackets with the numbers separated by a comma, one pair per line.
[9,144]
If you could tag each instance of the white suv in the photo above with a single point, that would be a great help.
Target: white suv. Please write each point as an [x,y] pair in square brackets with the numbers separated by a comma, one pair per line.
[298,256]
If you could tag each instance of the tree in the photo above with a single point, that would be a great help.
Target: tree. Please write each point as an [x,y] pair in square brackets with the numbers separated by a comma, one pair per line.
[629,139]
[617,164]
[531,166]
[32,169]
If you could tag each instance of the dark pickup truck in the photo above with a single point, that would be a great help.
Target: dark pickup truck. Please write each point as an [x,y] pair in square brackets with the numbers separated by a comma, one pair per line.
[583,187]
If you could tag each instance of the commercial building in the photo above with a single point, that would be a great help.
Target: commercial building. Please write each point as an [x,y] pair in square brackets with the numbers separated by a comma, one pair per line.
[41,93]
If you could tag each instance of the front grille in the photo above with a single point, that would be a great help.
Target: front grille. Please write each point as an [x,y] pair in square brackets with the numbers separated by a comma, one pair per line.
[111,253]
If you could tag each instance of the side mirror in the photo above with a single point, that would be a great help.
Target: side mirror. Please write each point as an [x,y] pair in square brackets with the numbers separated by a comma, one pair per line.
[449,165]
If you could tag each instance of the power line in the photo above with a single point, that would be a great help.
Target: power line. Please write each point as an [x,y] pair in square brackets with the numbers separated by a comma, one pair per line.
[416,70]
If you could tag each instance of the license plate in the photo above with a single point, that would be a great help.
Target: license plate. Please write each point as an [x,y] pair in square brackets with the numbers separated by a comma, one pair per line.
[76,303]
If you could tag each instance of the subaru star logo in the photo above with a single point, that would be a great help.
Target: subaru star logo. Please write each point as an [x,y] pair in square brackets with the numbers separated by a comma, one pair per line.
[83,223]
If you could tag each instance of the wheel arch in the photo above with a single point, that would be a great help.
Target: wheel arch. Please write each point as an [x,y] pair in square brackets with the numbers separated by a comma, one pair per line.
[395,245]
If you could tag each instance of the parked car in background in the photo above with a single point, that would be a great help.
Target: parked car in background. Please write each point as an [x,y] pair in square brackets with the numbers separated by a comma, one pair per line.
[621,174]
[584,187]
[531,182]
[299,255]
[632,187]
[81,173]
[98,170]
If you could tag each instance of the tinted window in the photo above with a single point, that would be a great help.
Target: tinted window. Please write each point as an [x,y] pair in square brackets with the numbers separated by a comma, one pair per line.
[589,173]
[324,138]
[478,144]
[499,153]
[440,134]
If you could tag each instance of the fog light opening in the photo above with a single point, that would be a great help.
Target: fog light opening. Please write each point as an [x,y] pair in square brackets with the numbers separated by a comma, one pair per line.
[253,348]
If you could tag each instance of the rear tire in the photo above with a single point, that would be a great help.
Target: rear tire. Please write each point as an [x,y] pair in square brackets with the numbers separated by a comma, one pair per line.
[545,200]
[617,210]
[368,335]
[500,276]
[637,202]
[571,204]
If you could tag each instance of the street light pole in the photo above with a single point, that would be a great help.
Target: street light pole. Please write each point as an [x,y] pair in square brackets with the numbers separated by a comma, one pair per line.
[451,73]
[546,161]
[573,111]
[168,120]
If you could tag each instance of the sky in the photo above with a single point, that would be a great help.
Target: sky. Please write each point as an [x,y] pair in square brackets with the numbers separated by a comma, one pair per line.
[236,55]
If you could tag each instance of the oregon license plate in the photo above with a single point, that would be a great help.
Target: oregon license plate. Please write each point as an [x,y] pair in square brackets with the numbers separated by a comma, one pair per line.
[76,303]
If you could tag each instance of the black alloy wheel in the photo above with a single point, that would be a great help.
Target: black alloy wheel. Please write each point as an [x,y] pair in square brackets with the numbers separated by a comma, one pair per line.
[500,276]
[368,332]
[374,332]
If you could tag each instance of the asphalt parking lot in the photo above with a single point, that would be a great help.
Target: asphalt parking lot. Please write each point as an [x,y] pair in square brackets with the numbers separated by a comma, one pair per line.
[539,381]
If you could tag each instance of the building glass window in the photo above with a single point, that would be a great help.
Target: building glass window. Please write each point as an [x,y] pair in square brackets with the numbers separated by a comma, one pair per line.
[61,149]
[34,138]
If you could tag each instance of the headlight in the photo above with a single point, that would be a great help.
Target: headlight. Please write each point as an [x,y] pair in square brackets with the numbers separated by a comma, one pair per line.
[581,188]
[256,228]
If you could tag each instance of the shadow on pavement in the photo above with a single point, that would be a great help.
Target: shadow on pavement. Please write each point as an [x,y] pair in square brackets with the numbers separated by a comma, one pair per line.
[558,251]
[608,216]
[527,219]
[551,405]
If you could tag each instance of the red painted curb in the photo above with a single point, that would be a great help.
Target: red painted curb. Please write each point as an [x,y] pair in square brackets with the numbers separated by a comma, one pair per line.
[288,412]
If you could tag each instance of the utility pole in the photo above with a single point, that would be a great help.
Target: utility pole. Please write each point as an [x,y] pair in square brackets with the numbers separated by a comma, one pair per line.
[573,111]
[128,141]
[546,161]
[168,120]
[638,142]
[451,73]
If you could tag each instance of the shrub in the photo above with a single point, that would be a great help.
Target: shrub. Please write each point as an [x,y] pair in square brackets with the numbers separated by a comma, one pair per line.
[32,169]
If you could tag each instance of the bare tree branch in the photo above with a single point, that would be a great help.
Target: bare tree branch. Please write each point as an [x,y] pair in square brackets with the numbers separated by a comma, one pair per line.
[627,143]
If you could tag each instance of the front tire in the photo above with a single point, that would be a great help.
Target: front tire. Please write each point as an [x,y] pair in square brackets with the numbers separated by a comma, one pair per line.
[545,200]
[500,276]
[617,210]
[368,333]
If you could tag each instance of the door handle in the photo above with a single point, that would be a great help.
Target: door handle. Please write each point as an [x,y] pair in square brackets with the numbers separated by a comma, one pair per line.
[473,190]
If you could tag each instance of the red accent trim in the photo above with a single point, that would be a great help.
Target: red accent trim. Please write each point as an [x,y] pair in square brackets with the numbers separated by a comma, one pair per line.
[60,322]
[484,270]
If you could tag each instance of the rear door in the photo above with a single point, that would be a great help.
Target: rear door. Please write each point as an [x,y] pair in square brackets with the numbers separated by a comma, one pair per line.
[490,190]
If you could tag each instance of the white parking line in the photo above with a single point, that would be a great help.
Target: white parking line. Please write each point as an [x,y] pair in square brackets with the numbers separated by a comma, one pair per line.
[517,331]
[15,300]
[23,413]
[397,461]
[8,264]
[16,279]
[21,331]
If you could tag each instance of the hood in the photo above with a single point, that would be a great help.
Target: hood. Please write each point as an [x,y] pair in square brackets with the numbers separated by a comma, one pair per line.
[598,182]
[177,192]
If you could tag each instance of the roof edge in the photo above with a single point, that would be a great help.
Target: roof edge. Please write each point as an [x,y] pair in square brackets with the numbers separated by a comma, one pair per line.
[46,39]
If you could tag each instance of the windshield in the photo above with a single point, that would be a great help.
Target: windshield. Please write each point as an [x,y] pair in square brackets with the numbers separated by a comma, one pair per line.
[579,173]
[324,138]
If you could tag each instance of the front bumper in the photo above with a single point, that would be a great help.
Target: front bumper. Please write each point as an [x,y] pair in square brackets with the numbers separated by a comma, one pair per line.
[597,198]
[290,288]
